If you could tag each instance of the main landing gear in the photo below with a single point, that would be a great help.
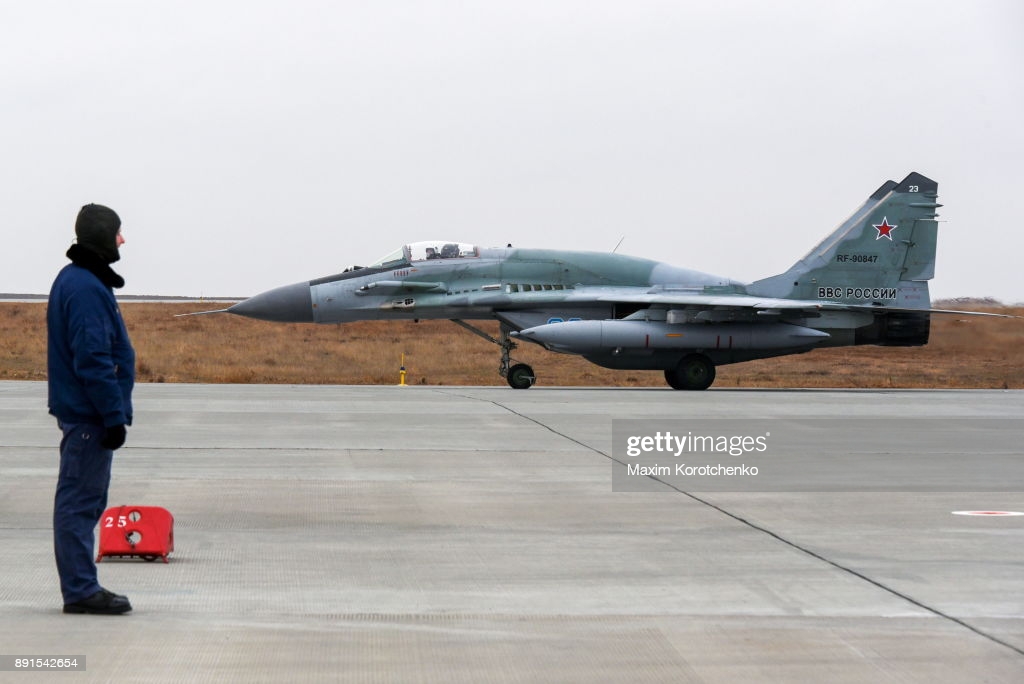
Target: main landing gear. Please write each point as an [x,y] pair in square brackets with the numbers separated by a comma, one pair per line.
[693,372]
[520,375]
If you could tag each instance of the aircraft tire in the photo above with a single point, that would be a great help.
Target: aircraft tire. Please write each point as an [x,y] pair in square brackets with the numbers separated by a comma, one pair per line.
[520,376]
[693,372]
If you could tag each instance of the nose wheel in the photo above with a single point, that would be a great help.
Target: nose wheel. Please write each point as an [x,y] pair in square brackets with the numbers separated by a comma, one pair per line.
[520,376]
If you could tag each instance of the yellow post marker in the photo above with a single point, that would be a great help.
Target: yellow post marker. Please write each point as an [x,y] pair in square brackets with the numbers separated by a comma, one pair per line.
[401,372]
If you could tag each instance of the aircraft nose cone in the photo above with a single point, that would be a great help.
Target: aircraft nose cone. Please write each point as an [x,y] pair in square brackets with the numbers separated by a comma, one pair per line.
[288,304]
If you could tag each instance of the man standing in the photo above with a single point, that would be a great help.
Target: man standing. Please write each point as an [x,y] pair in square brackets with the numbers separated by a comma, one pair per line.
[91,373]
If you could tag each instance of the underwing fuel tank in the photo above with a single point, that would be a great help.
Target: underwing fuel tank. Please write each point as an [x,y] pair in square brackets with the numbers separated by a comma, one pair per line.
[585,337]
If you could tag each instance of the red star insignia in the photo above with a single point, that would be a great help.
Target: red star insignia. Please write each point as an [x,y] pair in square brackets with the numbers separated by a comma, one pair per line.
[884,229]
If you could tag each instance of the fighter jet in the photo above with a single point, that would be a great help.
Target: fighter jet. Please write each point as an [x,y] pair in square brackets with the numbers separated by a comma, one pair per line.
[866,283]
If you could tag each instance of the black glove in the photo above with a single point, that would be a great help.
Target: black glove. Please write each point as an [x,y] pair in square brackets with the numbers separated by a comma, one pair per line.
[113,437]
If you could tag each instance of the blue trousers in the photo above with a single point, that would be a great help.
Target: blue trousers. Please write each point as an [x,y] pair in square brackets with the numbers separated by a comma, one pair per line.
[80,501]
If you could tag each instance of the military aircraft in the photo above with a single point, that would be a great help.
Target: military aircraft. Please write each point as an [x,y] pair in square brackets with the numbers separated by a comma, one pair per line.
[866,283]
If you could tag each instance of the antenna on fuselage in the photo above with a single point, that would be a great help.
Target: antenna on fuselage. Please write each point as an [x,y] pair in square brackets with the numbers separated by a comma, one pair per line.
[618,243]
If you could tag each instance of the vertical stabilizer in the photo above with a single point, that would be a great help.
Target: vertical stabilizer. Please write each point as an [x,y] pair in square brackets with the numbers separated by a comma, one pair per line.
[883,255]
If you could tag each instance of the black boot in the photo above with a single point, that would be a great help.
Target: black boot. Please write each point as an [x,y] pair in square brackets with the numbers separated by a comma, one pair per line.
[103,602]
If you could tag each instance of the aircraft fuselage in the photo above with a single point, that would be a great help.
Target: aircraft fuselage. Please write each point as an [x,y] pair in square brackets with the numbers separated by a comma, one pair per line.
[478,287]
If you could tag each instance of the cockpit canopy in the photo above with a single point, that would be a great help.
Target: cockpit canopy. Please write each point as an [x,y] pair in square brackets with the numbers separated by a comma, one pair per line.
[425,251]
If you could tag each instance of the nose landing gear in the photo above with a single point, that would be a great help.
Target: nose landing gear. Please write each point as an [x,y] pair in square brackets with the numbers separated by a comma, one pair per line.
[520,375]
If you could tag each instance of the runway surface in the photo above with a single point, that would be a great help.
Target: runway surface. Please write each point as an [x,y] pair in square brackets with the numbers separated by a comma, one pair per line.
[462,534]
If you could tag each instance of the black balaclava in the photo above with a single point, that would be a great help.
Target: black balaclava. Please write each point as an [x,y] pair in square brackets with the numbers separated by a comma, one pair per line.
[97,227]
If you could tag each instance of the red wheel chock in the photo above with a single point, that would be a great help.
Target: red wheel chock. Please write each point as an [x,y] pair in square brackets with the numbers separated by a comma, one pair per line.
[144,531]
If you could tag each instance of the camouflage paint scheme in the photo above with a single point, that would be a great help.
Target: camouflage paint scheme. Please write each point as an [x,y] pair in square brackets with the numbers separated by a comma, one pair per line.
[865,283]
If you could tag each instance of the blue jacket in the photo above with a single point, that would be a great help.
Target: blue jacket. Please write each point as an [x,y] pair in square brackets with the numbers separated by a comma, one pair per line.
[90,360]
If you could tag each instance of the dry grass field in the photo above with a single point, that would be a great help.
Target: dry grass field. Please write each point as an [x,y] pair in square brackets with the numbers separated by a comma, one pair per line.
[971,352]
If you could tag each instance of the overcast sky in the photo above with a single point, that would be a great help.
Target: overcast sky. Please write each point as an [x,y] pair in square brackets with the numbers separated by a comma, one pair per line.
[252,144]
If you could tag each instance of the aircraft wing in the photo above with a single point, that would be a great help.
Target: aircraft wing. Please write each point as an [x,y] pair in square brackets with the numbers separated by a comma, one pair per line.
[712,301]
[767,305]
